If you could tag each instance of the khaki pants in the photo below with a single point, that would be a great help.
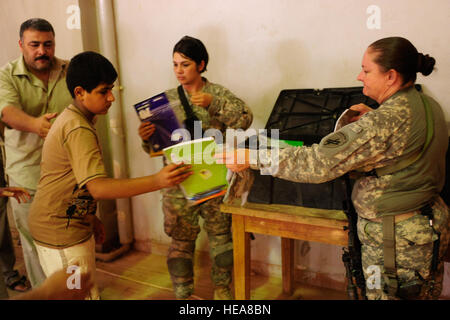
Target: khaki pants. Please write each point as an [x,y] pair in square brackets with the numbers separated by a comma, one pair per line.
[20,213]
[7,257]
[82,255]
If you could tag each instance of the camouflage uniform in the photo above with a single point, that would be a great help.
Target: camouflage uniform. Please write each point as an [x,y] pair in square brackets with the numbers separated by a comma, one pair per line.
[381,138]
[181,221]
[414,247]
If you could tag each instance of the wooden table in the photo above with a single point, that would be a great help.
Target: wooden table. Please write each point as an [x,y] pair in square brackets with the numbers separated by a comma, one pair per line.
[287,222]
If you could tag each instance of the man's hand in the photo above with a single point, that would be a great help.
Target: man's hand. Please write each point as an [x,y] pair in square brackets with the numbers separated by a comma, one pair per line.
[236,160]
[146,130]
[20,194]
[172,175]
[17,119]
[55,288]
[42,124]
[201,99]
[362,109]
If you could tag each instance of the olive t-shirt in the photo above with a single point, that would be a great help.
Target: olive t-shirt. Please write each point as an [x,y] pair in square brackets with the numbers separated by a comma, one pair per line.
[71,157]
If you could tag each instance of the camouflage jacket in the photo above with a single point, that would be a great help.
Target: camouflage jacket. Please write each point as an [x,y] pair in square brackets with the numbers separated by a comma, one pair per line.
[380,138]
[226,111]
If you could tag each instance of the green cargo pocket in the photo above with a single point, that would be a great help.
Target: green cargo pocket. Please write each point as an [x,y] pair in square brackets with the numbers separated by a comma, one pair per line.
[414,244]
[414,231]
[369,233]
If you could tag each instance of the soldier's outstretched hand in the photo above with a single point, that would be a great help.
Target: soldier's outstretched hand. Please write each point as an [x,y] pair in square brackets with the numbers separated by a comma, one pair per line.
[236,160]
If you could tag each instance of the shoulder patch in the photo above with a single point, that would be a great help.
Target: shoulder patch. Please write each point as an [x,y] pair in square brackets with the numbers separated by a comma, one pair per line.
[335,140]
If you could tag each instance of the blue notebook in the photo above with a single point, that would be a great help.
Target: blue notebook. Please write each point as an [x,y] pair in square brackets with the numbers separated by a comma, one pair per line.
[158,111]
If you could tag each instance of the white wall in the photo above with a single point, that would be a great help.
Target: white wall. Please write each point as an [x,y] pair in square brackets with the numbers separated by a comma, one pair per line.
[257,48]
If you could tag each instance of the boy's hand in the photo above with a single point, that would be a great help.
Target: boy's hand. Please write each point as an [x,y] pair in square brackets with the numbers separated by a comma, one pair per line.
[201,99]
[362,109]
[20,194]
[173,174]
[146,130]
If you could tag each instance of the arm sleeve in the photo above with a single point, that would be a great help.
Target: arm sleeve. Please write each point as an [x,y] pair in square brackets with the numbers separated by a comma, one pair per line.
[228,109]
[362,144]
[84,153]
[9,96]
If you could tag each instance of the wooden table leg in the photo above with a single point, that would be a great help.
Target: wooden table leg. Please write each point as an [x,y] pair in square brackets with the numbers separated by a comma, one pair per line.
[287,264]
[241,249]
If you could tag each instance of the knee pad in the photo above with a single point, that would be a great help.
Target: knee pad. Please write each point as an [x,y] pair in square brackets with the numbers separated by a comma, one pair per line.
[224,259]
[180,267]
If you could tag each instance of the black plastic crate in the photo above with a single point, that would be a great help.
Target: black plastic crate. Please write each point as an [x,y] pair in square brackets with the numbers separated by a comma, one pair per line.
[310,114]
[307,115]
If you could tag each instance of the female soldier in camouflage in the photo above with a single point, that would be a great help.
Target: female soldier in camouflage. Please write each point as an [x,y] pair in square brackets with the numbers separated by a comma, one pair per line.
[217,108]
[408,175]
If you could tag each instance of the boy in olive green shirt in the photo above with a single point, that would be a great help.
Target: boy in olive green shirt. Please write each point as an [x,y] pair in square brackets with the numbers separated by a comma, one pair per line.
[62,217]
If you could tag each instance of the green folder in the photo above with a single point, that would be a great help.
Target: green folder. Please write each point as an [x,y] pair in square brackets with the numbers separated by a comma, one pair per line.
[209,179]
[293,143]
[282,143]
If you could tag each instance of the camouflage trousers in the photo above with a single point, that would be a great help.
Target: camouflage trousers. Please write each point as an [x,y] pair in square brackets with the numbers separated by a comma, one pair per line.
[414,238]
[181,223]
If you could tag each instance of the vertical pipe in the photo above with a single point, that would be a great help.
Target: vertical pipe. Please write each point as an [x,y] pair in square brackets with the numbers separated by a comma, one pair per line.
[108,47]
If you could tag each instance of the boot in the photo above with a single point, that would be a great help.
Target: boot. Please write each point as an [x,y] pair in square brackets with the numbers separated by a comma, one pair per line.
[223,293]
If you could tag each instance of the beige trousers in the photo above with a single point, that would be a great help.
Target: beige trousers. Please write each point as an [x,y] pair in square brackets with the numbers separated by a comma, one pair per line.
[82,255]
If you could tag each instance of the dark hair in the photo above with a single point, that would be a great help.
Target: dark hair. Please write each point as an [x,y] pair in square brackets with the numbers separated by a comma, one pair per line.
[88,70]
[36,24]
[399,54]
[193,49]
